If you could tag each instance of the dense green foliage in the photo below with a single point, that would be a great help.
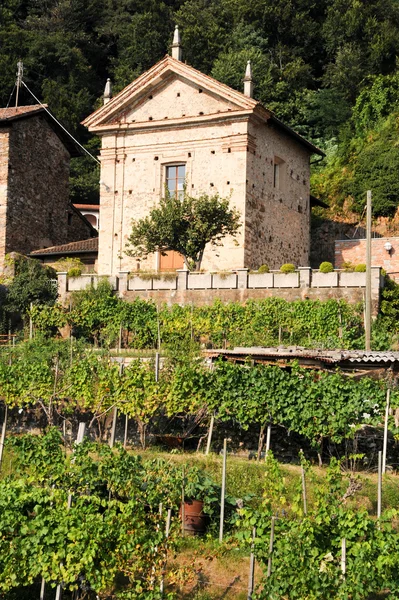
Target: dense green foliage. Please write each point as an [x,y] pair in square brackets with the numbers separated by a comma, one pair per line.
[29,282]
[98,314]
[317,406]
[85,519]
[307,550]
[327,68]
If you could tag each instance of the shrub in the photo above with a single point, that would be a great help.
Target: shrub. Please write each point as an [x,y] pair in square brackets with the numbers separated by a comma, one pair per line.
[68,264]
[347,267]
[75,272]
[360,268]
[287,268]
[326,267]
[264,269]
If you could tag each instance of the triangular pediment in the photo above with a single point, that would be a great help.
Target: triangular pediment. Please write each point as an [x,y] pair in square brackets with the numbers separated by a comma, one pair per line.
[169,90]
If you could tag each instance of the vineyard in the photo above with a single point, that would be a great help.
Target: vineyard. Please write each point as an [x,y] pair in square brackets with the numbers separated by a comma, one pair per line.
[63,380]
[97,522]
[87,517]
[98,316]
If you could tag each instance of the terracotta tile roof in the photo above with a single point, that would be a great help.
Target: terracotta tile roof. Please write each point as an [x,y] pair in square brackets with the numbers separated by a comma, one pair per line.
[87,206]
[90,245]
[7,114]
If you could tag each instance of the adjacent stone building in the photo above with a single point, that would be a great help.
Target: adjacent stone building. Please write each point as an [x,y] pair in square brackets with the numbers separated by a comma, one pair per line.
[174,127]
[35,211]
[384,253]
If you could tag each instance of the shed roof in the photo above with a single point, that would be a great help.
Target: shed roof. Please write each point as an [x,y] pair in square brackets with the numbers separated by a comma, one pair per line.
[80,247]
[352,360]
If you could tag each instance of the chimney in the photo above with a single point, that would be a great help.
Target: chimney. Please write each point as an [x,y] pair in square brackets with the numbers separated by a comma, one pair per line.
[248,85]
[176,46]
[108,91]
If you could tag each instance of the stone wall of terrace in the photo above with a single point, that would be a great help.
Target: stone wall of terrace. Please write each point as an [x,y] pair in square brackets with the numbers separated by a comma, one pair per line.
[184,287]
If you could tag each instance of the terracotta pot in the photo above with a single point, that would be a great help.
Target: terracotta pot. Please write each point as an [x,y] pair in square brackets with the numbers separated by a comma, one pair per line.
[195,521]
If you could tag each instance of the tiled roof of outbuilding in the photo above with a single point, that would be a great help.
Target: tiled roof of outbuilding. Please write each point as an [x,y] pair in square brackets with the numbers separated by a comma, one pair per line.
[90,245]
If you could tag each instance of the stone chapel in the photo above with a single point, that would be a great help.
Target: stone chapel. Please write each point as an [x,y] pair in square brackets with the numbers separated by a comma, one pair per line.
[174,127]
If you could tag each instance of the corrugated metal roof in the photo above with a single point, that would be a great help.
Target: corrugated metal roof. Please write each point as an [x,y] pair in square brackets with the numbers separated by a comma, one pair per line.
[296,352]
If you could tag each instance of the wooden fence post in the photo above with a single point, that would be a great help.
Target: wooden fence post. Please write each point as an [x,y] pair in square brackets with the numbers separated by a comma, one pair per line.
[251,567]
[385,444]
[3,433]
[269,562]
[223,494]
[210,432]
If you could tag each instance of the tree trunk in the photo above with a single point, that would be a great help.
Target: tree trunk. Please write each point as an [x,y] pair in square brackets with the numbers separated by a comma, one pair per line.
[142,431]
[261,441]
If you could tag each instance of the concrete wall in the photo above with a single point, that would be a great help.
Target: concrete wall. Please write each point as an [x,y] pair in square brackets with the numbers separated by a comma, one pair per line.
[277,219]
[354,251]
[205,288]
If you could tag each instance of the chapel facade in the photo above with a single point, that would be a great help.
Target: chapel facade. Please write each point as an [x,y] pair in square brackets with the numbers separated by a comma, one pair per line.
[176,128]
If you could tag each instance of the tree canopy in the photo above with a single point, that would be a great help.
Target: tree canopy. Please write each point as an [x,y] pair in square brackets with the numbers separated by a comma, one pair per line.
[185,225]
[327,68]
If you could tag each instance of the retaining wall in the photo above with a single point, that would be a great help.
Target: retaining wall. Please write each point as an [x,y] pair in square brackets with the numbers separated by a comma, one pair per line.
[238,286]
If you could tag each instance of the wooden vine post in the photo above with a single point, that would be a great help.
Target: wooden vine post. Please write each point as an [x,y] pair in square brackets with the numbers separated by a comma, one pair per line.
[305,504]
[3,433]
[271,542]
[223,494]
[385,443]
[379,486]
[210,432]
[79,440]
[251,578]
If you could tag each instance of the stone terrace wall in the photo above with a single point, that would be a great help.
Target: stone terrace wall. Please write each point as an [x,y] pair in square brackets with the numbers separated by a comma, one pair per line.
[204,288]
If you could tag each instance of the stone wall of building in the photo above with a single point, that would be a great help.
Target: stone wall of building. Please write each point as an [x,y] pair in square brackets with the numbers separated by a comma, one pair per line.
[354,251]
[35,190]
[226,151]
[133,167]
[4,150]
[278,212]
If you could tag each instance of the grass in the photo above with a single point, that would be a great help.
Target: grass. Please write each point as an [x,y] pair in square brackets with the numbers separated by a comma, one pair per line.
[247,477]
[214,571]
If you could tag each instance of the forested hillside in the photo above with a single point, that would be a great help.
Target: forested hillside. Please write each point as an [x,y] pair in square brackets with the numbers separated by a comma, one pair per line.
[326,67]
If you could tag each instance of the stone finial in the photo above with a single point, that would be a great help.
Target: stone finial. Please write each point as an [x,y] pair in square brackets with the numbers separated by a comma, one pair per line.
[248,85]
[107,91]
[176,46]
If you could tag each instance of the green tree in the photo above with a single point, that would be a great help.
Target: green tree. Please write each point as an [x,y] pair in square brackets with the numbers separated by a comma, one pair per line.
[32,282]
[185,225]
